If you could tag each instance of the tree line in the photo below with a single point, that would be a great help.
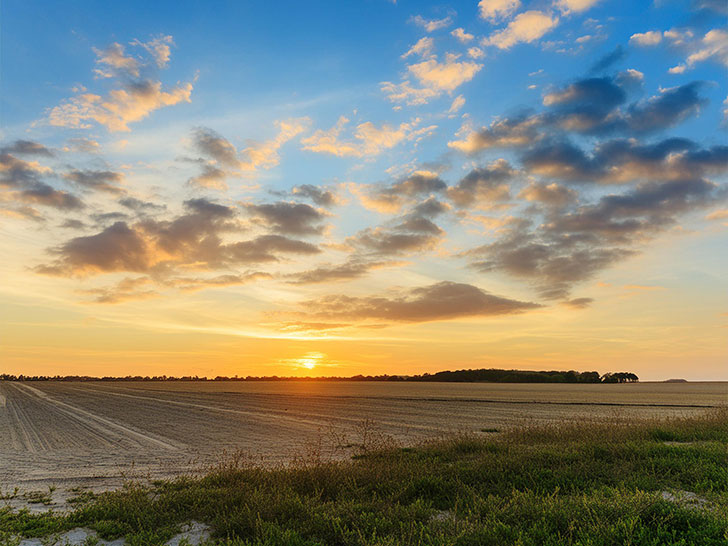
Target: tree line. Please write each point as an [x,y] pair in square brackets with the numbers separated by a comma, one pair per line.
[456,376]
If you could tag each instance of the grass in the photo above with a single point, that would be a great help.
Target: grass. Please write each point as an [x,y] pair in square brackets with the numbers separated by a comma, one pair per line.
[590,484]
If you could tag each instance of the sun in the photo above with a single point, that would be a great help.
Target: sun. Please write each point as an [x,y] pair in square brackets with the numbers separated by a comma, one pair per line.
[310,360]
[309,363]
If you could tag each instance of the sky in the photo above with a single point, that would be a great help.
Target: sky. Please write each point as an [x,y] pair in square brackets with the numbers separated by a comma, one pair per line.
[364,187]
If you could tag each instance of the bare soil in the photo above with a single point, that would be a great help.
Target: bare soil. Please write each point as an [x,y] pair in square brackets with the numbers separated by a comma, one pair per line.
[63,437]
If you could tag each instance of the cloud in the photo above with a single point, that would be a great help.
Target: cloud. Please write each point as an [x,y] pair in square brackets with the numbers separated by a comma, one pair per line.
[210,177]
[106,181]
[352,269]
[586,105]
[137,95]
[570,6]
[43,194]
[83,145]
[264,155]
[651,206]
[716,6]
[121,107]
[553,264]
[607,61]
[668,108]
[622,161]
[191,284]
[476,52]
[457,103]
[22,183]
[369,140]
[721,214]
[527,27]
[411,232]
[158,48]
[435,77]
[462,36]
[504,133]
[445,76]
[394,241]
[495,10]
[130,288]
[114,61]
[579,303]
[440,301]
[407,93]
[391,198]
[590,106]
[190,240]
[288,218]
[26,147]
[712,46]
[214,146]
[423,48]
[649,38]
[139,206]
[140,288]
[551,195]
[224,160]
[19,212]
[431,25]
[16,172]
[571,246]
[323,197]
[484,186]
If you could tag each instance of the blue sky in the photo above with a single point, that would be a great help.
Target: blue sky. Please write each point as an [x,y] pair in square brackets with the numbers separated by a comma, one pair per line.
[546,160]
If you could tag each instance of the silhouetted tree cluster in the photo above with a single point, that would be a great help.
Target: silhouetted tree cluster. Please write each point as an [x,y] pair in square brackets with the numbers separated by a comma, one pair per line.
[509,376]
[619,377]
[457,376]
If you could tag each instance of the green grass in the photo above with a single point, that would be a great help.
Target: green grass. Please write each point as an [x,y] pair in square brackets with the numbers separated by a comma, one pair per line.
[590,484]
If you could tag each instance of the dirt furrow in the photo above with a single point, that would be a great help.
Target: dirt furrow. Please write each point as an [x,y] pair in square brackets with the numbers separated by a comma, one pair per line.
[107,429]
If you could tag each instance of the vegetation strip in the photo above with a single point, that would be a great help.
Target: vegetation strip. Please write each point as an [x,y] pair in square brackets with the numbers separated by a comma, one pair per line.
[657,482]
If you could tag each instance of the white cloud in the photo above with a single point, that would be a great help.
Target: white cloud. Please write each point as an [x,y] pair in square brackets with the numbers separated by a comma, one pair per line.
[569,6]
[135,98]
[446,76]
[461,35]
[457,104]
[712,46]
[435,77]
[121,107]
[423,48]
[369,140]
[265,154]
[159,49]
[495,10]
[114,61]
[476,52]
[431,25]
[405,92]
[526,27]
[648,38]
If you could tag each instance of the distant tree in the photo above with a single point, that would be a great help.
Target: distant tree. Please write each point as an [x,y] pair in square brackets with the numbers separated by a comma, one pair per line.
[619,377]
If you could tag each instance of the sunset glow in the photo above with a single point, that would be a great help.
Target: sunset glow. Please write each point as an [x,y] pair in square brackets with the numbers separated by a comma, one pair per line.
[364,187]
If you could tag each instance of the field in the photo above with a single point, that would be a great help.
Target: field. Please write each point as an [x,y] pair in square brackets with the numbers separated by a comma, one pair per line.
[96,435]
[638,482]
